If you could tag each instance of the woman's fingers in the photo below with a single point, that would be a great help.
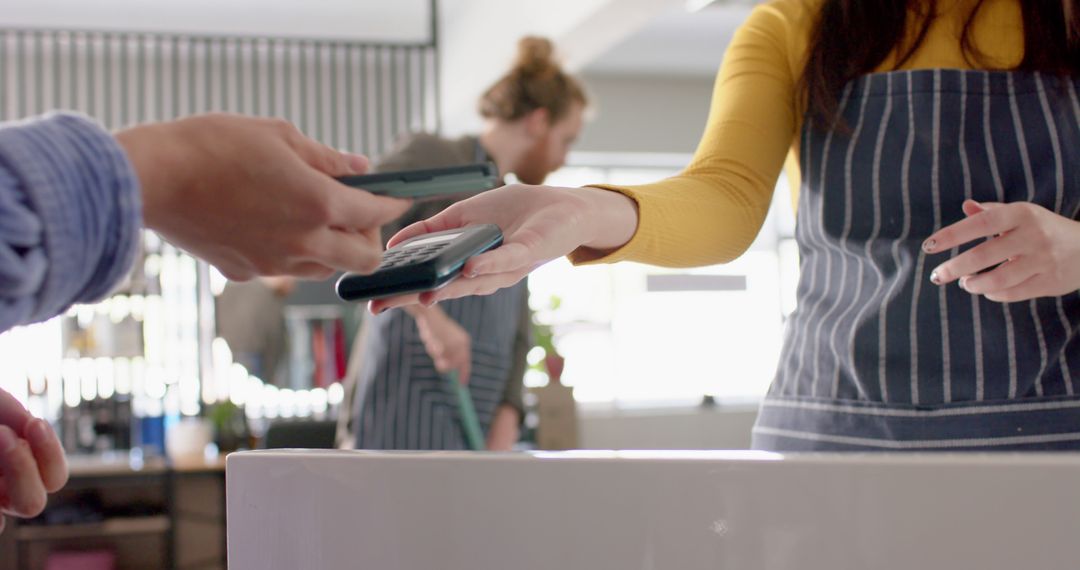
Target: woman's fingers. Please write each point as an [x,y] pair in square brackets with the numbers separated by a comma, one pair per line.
[978,258]
[1035,286]
[1006,276]
[990,222]
[481,285]
[379,305]
[448,219]
[503,259]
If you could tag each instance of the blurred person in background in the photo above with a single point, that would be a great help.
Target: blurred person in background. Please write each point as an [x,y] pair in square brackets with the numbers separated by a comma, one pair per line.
[532,116]
[251,318]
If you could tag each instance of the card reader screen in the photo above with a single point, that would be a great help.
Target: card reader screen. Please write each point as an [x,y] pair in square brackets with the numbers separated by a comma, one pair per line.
[431,240]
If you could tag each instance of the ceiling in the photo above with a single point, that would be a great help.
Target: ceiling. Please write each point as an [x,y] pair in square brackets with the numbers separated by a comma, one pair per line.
[678,42]
[370,20]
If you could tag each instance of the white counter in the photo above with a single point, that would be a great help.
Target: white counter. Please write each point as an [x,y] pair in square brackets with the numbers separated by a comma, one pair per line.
[651,510]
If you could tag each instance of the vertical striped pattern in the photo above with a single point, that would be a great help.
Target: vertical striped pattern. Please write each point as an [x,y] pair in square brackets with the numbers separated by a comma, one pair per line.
[913,324]
[403,403]
[844,251]
[819,238]
[1059,182]
[976,307]
[909,365]
[935,186]
[999,196]
[871,242]
[348,95]
[1029,179]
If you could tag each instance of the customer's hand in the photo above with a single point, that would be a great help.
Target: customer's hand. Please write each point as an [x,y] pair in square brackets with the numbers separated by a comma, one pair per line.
[1033,252]
[256,197]
[32,461]
[539,223]
[446,342]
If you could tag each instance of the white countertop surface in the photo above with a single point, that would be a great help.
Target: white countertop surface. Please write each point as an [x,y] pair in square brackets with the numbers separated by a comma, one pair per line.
[652,510]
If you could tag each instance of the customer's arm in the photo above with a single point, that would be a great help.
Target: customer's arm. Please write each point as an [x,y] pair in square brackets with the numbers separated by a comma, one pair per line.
[249,195]
[69,217]
[70,212]
[252,196]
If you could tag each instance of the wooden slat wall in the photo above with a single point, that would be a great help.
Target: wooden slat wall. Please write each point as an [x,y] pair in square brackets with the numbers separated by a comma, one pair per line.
[353,96]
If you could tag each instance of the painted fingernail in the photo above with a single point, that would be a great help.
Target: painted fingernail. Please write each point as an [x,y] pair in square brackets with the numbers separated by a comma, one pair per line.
[8,441]
[935,278]
[928,245]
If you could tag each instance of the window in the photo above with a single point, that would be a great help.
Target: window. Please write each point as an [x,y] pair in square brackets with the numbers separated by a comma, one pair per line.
[640,335]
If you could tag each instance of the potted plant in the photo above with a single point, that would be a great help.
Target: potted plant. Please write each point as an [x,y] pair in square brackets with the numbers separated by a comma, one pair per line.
[544,337]
[230,426]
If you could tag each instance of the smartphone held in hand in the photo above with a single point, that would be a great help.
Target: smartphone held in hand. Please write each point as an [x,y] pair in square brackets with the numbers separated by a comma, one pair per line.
[427,183]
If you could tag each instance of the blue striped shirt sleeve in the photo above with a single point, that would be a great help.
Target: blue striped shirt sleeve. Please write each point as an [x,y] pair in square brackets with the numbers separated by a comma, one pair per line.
[70,214]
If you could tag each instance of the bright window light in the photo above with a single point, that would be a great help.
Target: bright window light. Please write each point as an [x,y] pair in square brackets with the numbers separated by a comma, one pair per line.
[694,332]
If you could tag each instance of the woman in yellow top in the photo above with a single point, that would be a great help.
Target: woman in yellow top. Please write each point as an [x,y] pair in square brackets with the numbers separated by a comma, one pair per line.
[936,141]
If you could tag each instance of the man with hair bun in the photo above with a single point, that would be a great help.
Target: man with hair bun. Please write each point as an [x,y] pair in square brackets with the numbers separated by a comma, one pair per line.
[532,115]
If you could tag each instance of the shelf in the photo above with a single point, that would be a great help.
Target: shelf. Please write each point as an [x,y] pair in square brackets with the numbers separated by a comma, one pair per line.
[126,526]
[116,464]
[199,465]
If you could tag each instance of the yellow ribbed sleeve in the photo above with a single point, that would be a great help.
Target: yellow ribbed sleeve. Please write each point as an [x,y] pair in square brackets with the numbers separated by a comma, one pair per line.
[712,211]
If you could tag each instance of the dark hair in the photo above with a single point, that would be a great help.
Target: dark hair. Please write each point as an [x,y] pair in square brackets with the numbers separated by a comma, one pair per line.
[536,81]
[852,37]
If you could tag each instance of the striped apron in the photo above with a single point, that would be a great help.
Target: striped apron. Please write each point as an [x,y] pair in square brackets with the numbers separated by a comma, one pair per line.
[877,357]
[403,403]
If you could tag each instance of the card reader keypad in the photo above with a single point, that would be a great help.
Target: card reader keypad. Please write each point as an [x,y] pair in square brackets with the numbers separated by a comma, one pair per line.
[400,257]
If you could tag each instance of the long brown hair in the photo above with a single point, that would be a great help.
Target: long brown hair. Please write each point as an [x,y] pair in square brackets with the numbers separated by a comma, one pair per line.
[853,37]
[536,81]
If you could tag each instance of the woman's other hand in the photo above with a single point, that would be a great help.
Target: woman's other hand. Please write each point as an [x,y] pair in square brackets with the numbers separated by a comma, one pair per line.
[1030,252]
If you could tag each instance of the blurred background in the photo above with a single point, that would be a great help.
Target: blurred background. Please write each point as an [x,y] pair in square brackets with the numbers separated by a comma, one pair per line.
[178,358]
